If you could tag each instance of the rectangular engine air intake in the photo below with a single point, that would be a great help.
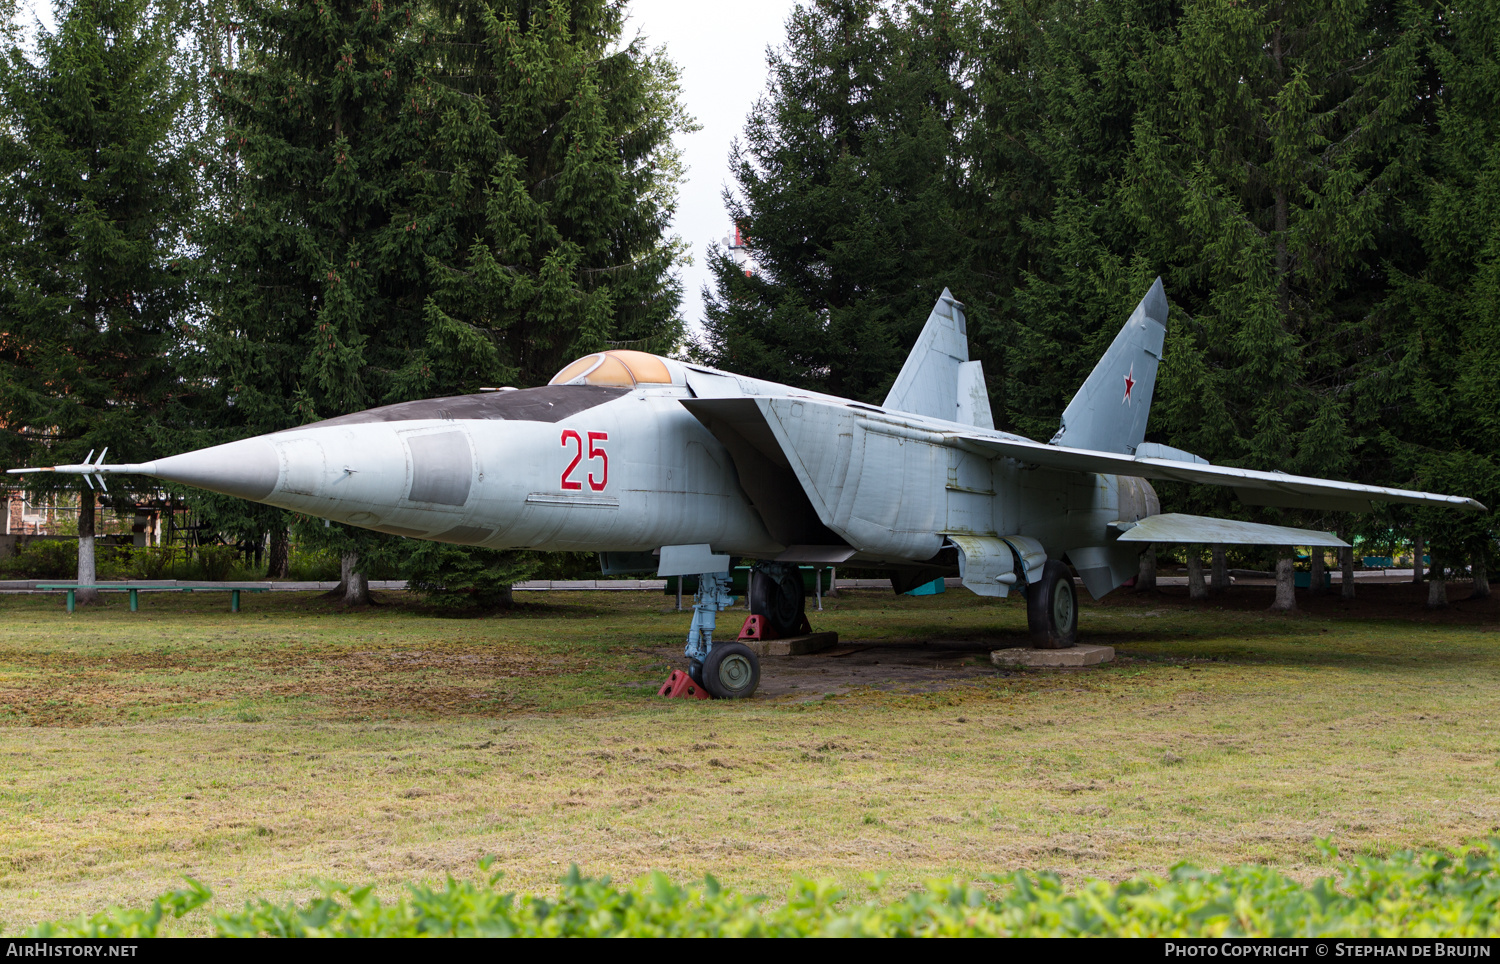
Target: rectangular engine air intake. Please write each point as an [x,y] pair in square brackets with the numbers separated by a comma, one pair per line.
[442,468]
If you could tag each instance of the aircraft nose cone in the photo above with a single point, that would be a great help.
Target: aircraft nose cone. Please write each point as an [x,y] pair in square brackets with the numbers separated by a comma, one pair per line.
[248,469]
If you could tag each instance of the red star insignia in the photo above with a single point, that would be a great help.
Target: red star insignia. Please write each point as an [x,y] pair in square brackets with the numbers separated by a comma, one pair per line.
[1129,384]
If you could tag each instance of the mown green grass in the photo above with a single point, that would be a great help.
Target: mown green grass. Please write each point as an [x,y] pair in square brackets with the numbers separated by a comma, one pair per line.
[260,751]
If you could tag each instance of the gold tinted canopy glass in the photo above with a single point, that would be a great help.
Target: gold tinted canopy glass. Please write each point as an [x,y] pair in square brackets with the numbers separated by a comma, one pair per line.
[620,368]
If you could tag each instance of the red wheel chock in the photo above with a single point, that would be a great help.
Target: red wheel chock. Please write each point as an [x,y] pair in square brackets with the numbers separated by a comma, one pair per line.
[756,627]
[680,685]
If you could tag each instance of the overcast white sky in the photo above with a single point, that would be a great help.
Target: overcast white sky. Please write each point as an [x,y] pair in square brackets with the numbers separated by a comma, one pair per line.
[721,48]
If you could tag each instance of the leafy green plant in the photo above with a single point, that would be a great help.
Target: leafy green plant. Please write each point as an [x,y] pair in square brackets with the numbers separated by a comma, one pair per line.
[1427,894]
[461,578]
[152,562]
[313,566]
[216,562]
[43,559]
[122,922]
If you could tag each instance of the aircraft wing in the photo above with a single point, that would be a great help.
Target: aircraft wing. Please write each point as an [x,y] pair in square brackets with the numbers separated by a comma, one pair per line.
[1252,487]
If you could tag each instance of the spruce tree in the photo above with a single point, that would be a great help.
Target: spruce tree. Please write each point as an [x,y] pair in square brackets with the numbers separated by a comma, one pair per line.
[310,301]
[1264,178]
[98,190]
[854,196]
[427,200]
[1059,92]
[1446,309]
[548,180]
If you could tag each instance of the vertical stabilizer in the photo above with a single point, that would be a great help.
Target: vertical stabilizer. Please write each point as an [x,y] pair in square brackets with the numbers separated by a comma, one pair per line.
[1109,412]
[938,380]
[973,397]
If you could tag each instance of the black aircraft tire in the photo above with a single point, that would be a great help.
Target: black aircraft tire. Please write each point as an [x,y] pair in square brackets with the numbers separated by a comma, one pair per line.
[781,601]
[732,671]
[695,671]
[1052,608]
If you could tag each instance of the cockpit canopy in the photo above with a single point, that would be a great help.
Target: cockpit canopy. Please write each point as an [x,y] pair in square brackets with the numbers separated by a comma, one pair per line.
[620,368]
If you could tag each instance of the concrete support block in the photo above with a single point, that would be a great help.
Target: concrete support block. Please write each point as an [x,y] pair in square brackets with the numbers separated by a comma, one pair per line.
[792,645]
[1083,654]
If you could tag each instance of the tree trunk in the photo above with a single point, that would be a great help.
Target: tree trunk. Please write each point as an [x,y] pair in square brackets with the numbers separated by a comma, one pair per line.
[1416,558]
[356,587]
[279,565]
[87,571]
[1437,587]
[1221,570]
[1346,572]
[1481,579]
[1286,596]
[1145,580]
[1318,564]
[1197,588]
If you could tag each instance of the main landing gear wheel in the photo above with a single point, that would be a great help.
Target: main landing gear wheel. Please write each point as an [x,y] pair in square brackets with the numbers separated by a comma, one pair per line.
[731,671]
[780,598]
[1052,608]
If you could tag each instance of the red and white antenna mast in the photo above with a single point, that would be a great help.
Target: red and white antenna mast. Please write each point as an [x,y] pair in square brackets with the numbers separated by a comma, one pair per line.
[738,244]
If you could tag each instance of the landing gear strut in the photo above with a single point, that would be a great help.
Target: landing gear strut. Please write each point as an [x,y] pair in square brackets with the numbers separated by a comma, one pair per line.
[728,670]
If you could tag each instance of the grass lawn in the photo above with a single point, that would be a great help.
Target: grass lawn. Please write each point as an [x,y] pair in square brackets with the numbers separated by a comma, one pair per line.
[261,751]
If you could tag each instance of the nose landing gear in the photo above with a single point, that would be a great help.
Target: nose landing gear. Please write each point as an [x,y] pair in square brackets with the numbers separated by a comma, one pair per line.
[731,670]
[728,670]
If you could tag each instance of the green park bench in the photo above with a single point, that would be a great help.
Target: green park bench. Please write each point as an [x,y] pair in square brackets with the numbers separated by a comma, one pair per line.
[72,588]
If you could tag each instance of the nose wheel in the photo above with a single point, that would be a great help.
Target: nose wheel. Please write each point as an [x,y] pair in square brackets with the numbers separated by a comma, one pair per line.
[731,671]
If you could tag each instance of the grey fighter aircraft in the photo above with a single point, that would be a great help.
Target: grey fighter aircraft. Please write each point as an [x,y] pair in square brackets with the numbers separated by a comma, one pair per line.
[666,466]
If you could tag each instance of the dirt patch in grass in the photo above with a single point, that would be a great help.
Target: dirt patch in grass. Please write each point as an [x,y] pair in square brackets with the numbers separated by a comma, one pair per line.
[873,664]
[421,683]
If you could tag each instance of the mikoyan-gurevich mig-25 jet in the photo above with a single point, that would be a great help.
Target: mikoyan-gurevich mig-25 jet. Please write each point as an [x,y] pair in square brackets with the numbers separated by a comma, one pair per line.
[669,467]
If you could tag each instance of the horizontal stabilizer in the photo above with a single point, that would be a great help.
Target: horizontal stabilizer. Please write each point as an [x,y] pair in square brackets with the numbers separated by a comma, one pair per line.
[1155,450]
[1295,491]
[1176,527]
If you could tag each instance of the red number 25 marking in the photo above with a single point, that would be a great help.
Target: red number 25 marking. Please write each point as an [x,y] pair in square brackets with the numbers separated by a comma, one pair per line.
[595,452]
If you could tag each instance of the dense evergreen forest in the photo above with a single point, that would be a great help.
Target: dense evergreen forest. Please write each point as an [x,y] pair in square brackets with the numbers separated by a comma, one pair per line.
[1317,184]
[227,218]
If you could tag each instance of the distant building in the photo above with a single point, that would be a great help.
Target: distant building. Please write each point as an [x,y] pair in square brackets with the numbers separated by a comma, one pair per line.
[56,514]
[44,517]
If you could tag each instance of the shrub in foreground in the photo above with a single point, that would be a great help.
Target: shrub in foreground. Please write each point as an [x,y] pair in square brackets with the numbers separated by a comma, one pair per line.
[1425,894]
